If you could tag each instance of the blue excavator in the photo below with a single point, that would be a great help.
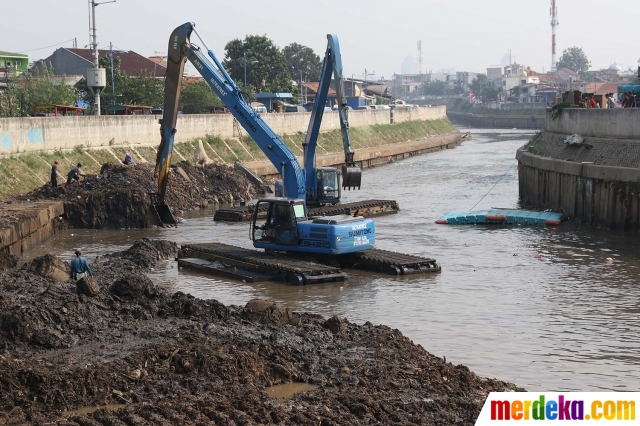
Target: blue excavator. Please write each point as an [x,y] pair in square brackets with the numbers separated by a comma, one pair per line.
[287,226]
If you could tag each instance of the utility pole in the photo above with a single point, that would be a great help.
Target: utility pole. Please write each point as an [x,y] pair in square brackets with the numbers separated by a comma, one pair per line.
[113,85]
[96,76]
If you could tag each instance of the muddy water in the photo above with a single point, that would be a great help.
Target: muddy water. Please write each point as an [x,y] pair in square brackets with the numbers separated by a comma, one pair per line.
[565,321]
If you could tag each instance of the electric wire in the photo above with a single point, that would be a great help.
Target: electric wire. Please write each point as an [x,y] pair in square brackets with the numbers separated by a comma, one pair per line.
[494,185]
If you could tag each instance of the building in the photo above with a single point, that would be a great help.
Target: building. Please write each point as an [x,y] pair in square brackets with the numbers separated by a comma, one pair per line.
[12,64]
[494,74]
[464,79]
[270,100]
[568,75]
[68,61]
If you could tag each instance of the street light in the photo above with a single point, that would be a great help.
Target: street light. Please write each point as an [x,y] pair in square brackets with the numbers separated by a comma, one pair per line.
[243,64]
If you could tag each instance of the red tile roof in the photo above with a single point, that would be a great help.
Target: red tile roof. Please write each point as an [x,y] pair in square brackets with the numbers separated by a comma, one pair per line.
[602,88]
[131,63]
[313,86]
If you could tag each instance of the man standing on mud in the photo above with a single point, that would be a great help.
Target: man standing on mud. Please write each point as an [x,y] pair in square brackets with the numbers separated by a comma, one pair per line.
[54,174]
[79,266]
[74,174]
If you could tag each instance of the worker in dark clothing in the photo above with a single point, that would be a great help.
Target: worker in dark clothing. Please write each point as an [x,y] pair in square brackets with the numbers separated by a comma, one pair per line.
[74,174]
[54,174]
[128,159]
[79,266]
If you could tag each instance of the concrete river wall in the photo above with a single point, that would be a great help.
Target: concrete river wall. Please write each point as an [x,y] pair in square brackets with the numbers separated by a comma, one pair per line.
[29,134]
[480,121]
[598,180]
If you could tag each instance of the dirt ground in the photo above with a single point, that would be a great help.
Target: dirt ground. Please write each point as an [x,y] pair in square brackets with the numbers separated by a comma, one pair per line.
[119,196]
[170,359]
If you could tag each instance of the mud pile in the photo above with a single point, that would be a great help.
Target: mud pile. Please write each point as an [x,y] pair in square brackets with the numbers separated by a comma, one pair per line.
[173,359]
[119,196]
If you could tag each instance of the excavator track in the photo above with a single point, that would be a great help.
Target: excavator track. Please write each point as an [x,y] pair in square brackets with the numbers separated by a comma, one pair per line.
[274,266]
[390,262]
[253,265]
[367,208]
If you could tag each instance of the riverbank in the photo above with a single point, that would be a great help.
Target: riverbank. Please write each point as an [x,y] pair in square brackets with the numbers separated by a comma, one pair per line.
[151,354]
[595,181]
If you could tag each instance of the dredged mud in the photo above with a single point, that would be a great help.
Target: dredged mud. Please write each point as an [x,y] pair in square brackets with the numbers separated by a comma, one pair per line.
[119,196]
[174,359]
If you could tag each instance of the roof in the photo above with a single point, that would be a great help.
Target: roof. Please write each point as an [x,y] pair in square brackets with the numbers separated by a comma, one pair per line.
[601,88]
[118,107]
[313,86]
[272,95]
[569,71]
[13,55]
[160,60]
[131,63]
[42,106]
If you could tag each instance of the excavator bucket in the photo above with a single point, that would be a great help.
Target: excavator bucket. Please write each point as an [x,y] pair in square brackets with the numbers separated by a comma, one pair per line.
[159,213]
[351,176]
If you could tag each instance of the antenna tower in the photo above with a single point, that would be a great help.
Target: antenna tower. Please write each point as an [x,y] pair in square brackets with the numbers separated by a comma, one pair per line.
[419,56]
[554,24]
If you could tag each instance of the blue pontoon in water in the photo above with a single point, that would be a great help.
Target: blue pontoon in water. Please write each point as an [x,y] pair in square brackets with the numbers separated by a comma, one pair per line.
[502,217]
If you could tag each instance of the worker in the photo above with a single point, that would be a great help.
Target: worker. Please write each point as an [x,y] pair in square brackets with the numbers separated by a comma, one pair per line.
[79,266]
[268,229]
[128,159]
[74,174]
[54,174]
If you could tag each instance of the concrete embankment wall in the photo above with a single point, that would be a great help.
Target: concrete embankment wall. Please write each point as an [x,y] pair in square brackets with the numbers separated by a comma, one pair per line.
[480,121]
[24,225]
[597,181]
[29,134]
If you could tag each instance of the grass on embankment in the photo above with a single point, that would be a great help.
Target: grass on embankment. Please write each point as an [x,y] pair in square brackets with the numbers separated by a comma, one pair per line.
[22,173]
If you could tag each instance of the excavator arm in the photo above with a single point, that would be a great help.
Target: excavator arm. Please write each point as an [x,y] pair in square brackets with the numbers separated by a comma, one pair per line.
[332,65]
[181,49]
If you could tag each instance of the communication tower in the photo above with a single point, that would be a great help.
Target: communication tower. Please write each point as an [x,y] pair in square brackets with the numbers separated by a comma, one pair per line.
[554,24]
[419,56]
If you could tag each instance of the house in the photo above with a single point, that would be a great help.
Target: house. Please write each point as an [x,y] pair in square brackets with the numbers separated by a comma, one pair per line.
[270,100]
[568,75]
[12,64]
[310,90]
[76,62]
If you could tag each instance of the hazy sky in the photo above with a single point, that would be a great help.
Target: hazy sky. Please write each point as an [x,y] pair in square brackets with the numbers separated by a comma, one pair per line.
[377,35]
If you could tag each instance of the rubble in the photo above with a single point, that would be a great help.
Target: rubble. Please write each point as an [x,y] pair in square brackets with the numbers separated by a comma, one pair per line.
[153,357]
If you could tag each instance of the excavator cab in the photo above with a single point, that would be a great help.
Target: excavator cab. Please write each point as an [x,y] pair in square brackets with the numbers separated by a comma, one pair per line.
[280,228]
[327,185]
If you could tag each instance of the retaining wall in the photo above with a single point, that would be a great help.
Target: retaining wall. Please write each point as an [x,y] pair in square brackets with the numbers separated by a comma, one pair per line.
[497,121]
[24,225]
[621,123]
[597,181]
[29,134]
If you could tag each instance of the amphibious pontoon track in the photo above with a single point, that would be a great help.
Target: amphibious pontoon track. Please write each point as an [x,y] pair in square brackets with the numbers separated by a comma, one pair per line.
[252,264]
[367,208]
[276,266]
[391,262]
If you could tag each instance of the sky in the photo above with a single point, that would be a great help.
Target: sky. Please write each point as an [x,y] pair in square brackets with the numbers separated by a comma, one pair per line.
[375,35]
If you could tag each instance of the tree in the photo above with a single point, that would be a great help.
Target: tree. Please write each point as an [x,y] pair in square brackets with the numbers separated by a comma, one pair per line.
[434,88]
[143,89]
[483,89]
[198,98]
[270,68]
[574,59]
[34,87]
[302,59]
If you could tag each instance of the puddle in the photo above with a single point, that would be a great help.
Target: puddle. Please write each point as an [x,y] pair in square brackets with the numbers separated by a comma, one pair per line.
[88,410]
[288,390]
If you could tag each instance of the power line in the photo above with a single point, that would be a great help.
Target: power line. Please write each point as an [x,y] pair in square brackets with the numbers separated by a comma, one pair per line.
[46,47]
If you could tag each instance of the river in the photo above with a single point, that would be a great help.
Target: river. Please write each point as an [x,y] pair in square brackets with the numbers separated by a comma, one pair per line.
[562,321]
